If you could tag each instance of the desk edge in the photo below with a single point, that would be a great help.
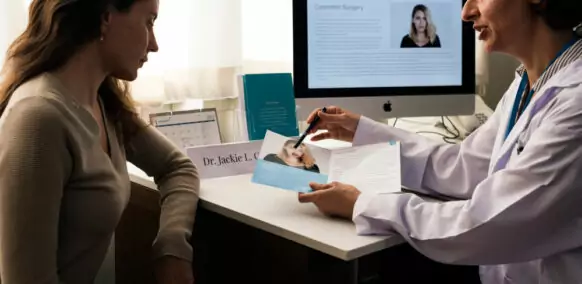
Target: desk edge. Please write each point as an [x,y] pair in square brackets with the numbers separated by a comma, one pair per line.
[379,245]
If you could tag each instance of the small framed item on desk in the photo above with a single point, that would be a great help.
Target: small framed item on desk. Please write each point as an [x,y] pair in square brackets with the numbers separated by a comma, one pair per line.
[189,128]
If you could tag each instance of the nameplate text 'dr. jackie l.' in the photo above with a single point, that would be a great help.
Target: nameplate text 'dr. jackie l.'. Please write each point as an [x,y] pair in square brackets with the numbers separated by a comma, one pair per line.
[223,160]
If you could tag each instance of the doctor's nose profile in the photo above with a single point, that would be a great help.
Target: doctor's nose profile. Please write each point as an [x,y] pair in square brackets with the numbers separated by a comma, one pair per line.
[513,187]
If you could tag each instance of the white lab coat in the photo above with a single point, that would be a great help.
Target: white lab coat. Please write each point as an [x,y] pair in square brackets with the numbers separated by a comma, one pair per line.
[519,216]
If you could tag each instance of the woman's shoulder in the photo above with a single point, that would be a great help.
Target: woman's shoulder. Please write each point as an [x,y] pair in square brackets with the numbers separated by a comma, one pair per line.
[34,102]
[40,88]
[406,38]
[271,157]
[32,118]
[407,41]
[36,112]
[436,42]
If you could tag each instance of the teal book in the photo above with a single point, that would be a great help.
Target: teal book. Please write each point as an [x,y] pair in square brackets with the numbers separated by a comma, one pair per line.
[269,104]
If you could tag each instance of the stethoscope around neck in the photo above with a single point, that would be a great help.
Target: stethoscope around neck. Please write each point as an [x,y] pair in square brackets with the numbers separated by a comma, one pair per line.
[504,158]
[525,92]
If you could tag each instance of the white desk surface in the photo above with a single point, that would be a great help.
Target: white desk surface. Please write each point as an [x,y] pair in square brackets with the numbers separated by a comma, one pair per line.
[278,211]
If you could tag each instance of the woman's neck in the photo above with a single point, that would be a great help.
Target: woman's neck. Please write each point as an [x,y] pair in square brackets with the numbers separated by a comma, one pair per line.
[542,47]
[82,75]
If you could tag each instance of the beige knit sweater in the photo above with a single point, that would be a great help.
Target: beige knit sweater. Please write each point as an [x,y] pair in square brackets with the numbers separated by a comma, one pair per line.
[61,195]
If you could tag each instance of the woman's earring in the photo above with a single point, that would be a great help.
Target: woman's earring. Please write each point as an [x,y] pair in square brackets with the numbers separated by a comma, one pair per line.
[101,38]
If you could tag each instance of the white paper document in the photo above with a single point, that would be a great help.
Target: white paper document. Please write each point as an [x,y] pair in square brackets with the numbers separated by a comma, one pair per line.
[370,168]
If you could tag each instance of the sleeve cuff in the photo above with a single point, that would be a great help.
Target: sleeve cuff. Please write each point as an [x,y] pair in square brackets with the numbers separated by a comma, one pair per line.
[361,204]
[363,227]
[173,244]
[366,127]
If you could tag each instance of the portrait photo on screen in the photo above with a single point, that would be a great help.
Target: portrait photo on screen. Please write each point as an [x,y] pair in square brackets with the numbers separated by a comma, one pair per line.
[280,150]
[421,24]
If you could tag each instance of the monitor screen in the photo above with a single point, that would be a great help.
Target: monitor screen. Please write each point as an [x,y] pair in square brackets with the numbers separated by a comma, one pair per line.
[382,47]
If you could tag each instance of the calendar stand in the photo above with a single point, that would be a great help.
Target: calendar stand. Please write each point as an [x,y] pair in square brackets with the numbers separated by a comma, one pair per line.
[189,128]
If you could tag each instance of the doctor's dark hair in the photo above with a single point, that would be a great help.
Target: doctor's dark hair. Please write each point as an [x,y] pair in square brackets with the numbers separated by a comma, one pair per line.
[560,14]
[56,30]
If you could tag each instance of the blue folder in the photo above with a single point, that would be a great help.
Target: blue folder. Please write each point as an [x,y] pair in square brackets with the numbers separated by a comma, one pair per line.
[285,177]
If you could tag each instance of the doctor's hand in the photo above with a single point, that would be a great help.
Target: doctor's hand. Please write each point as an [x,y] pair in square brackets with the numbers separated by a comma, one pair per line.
[339,123]
[334,199]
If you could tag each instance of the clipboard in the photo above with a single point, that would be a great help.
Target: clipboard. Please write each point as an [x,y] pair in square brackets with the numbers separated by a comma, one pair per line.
[189,128]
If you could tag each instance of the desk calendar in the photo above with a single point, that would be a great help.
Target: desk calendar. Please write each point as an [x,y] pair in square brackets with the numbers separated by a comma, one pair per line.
[189,128]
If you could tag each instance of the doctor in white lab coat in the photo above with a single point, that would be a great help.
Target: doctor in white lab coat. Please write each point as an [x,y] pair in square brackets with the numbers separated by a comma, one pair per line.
[516,182]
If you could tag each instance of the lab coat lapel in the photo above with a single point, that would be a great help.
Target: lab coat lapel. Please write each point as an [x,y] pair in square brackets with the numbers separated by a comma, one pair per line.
[504,108]
[562,79]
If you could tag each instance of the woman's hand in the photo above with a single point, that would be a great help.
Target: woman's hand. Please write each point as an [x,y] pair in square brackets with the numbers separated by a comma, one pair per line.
[339,123]
[173,270]
[333,199]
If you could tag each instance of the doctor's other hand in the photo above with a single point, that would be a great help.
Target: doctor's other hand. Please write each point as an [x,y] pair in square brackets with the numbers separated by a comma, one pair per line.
[333,199]
[173,270]
[339,123]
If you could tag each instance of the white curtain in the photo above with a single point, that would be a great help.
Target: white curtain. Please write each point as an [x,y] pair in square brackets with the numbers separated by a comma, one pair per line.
[13,16]
[204,44]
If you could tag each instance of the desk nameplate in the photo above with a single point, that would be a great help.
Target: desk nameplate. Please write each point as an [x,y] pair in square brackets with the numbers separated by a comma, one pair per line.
[223,160]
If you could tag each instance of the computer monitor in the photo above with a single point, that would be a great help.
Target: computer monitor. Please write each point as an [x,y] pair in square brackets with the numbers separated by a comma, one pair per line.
[364,55]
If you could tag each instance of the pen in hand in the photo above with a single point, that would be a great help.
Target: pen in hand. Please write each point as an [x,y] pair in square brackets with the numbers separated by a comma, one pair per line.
[311,125]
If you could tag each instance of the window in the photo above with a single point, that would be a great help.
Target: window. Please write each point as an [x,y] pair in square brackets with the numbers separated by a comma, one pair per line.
[204,44]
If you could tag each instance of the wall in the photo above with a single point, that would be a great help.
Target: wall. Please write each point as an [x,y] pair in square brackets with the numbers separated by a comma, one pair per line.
[495,72]
[501,74]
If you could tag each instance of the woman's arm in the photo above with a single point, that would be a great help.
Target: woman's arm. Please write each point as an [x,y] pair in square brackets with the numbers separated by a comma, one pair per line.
[34,167]
[179,185]
[527,211]
[432,167]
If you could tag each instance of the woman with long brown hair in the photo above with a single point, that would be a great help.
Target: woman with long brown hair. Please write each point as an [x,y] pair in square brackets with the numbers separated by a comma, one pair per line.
[68,127]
